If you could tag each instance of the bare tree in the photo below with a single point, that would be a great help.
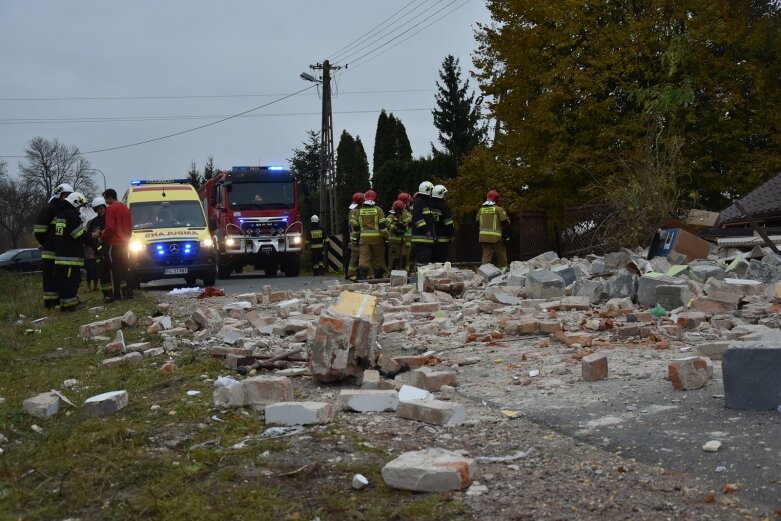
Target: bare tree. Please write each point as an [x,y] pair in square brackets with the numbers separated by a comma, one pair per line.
[19,202]
[50,163]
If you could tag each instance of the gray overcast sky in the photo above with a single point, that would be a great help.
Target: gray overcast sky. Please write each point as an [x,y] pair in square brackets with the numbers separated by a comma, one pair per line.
[222,52]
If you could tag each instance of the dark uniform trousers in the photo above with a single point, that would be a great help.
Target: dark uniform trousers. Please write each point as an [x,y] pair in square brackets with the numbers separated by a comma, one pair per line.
[104,265]
[117,256]
[69,278]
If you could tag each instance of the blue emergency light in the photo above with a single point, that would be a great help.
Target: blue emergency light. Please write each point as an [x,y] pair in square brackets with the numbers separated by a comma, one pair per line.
[139,182]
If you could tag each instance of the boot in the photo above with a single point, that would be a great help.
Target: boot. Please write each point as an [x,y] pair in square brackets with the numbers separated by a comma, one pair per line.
[363,273]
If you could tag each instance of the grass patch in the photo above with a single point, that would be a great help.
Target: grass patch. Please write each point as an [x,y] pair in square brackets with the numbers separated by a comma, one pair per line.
[164,456]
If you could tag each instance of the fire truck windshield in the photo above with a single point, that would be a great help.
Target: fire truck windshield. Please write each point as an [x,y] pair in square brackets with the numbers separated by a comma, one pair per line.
[262,196]
[166,214]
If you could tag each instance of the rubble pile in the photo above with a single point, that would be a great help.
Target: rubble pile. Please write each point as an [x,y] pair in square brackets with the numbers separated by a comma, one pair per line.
[349,335]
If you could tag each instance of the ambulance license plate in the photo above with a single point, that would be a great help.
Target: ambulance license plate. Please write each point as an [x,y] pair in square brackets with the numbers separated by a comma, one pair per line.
[175,271]
[267,250]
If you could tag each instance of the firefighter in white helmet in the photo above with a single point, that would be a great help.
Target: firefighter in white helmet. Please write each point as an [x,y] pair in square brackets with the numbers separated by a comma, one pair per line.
[443,224]
[316,245]
[43,229]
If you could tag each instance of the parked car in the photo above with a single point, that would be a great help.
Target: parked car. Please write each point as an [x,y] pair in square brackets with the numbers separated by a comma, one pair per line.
[23,260]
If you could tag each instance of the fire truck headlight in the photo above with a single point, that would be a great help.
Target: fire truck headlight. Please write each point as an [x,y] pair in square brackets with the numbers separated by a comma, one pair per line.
[230,241]
[207,243]
[296,240]
[136,246]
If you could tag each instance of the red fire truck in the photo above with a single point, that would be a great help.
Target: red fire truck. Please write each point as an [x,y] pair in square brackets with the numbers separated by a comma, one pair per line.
[253,216]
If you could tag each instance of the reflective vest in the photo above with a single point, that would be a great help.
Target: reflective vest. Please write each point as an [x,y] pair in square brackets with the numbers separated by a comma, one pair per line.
[370,222]
[406,218]
[397,228]
[68,238]
[315,238]
[490,218]
[422,222]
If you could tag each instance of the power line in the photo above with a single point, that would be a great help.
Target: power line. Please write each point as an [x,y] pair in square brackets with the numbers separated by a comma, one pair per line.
[144,142]
[411,28]
[400,22]
[132,119]
[332,56]
[205,96]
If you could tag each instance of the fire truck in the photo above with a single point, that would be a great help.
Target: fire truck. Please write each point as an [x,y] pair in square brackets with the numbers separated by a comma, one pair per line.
[254,219]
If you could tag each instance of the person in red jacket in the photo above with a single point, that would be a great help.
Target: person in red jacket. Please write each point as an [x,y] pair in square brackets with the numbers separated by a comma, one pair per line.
[115,237]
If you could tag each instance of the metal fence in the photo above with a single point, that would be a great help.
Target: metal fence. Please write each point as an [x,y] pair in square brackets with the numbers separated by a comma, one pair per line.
[584,229]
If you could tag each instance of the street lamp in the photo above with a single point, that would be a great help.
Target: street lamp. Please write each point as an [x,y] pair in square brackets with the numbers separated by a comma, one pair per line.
[101,173]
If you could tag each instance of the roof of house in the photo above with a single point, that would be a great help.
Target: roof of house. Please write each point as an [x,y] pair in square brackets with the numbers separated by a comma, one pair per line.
[762,200]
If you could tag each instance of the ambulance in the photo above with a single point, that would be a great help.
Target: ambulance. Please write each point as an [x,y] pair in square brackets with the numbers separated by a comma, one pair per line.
[170,238]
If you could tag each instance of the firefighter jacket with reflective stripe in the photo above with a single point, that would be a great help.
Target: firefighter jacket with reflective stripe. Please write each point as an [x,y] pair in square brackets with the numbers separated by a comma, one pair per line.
[406,218]
[492,219]
[443,220]
[397,228]
[315,237]
[369,220]
[422,221]
[43,229]
[69,234]
[355,233]
[95,225]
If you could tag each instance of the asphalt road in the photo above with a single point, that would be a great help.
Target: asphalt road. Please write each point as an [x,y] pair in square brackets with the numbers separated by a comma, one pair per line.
[635,419]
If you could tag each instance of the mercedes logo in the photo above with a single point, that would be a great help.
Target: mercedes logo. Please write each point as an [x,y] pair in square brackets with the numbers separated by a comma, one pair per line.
[174,248]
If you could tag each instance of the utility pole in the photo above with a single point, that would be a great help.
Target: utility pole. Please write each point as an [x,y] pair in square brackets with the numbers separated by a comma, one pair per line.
[327,165]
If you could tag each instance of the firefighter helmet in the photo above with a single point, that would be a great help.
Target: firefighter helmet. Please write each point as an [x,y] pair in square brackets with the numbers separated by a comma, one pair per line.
[439,192]
[370,195]
[314,219]
[98,201]
[492,195]
[404,198]
[358,198]
[398,206]
[76,199]
[425,188]
[64,188]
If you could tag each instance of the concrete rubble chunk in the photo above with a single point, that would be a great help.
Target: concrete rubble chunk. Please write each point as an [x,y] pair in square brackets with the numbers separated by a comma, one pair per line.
[763,272]
[130,358]
[648,284]
[229,392]
[689,373]
[408,393]
[230,335]
[106,404]
[129,318]
[617,260]
[376,400]
[751,375]
[100,328]
[430,470]
[594,367]
[691,319]
[623,284]
[544,260]
[263,390]
[488,271]
[544,284]
[288,307]
[370,379]
[44,405]
[345,337]
[435,412]
[673,296]
[138,347]
[713,350]
[431,379]
[398,278]
[298,413]
[565,272]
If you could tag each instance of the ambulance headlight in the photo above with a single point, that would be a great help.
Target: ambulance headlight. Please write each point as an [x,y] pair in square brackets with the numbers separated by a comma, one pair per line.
[207,243]
[296,240]
[135,246]
[230,241]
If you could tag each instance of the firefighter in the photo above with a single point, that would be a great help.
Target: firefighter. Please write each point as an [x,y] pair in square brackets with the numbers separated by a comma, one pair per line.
[396,228]
[494,229]
[316,246]
[43,229]
[354,236]
[94,228]
[68,242]
[443,224]
[369,222]
[423,224]
[406,217]
[115,237]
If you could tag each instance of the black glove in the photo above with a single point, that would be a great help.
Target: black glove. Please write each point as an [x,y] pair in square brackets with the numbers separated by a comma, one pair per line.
[505,235]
